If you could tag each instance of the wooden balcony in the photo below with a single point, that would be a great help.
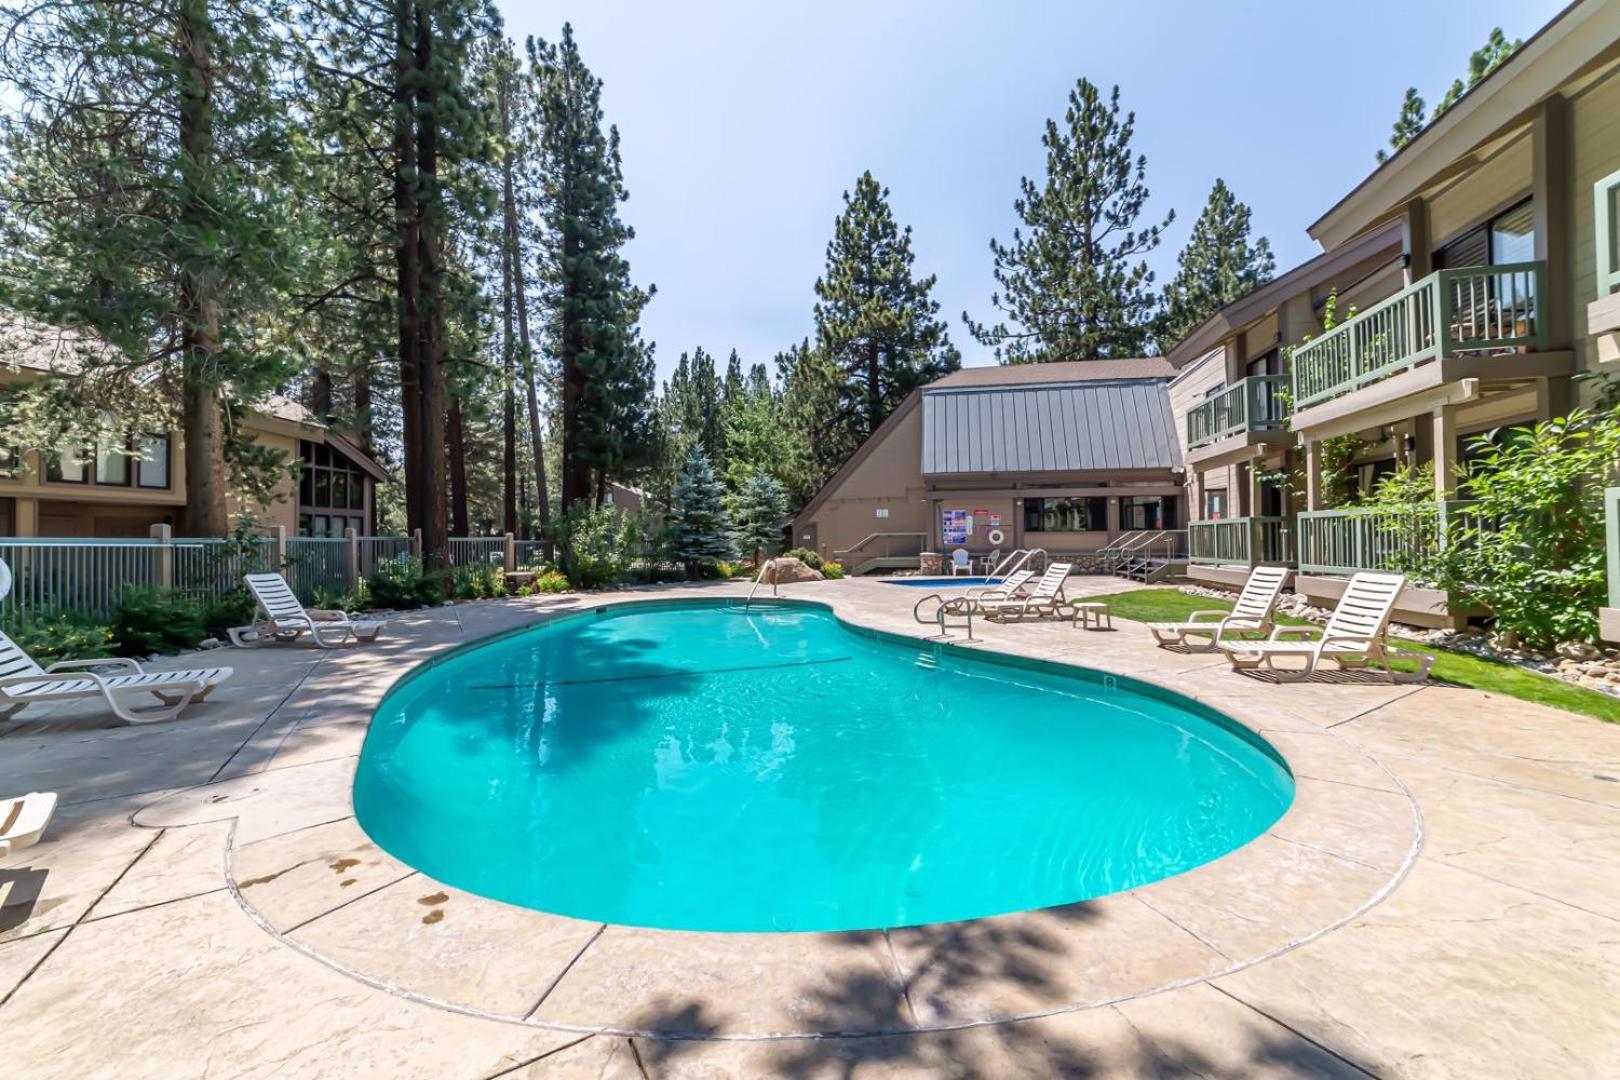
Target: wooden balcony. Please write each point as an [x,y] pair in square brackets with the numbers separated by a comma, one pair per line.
[1473,310]
[1258,403]
[1244,541]
[1341,542]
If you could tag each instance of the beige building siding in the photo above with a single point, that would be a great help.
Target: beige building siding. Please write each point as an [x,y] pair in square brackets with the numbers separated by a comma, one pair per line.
[1189,388]
[888,479]
[1595,132]
[1495,185]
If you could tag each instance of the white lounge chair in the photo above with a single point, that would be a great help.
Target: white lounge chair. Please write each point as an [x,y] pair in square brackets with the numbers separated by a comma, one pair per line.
[1253,613]
[23,820]
[280,617]
[1045,599]
[968,602]
[1352,638]
[961,562]
[24,683]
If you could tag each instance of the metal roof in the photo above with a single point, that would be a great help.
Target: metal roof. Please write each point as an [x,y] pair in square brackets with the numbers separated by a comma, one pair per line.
[1061,427]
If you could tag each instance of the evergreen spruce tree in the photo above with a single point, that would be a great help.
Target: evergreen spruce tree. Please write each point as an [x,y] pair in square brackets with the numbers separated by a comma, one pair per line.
[602,366]
[1408,124]
[1074,285]
[760,512]
[698,527]
[1218,265]
[822,439]
[874,319]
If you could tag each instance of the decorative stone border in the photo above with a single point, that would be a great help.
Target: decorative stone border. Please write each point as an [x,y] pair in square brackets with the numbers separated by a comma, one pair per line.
[300,867]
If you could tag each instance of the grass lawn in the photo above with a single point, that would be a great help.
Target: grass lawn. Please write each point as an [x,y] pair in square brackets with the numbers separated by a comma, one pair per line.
[1460,669]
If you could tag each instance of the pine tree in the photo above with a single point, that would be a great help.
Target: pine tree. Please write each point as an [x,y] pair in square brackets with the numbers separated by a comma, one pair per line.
[760,512]
[1074,285]
[699,529]
[757,435]
[1481,62]
[1218,265]
[603,368]
[875,320]
[812,412]
[146,168]
[1408,124]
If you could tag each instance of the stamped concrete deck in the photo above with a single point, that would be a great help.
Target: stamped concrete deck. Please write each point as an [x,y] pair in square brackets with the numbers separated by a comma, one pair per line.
[1440,901]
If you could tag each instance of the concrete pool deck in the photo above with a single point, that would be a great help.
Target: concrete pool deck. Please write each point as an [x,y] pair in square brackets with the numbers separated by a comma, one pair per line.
[1441,900]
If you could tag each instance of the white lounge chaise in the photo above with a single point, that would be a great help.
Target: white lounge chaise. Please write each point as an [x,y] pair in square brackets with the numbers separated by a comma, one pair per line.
[1353,637]
[1044,600]
[23,820]
[1253,613]
[280,617]
[24,683]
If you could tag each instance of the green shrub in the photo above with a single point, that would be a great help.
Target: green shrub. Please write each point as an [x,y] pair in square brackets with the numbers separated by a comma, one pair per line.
[401,584]
[808,557]
[155,621]
[832,571]
[552,581]
[596,544]
[235,608]
[478,582]
[726,570]
[53,637]
[332,600]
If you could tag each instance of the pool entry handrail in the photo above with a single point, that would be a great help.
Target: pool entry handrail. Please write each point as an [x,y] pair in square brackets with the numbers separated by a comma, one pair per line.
[1016,561]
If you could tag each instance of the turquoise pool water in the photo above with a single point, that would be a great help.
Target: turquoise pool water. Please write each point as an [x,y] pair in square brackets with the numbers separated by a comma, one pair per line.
[686,766]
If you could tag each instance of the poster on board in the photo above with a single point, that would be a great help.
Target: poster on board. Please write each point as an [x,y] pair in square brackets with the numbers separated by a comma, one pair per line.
[956,527]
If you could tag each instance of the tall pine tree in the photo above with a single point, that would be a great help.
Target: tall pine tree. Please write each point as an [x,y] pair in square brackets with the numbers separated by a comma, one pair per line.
[1481,62]
[147,173]
[874,319]
[603,368]
[1218,265]
[1074,286]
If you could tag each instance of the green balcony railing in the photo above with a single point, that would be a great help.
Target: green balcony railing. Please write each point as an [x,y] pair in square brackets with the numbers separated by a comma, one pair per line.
[1345,541]
[1258,403]
[1606,217]
[1244,541]
[1472,309]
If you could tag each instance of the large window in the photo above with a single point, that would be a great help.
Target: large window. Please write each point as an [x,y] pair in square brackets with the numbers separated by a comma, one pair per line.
[1088,514]
[1508,237]
[331,493]
[1139,512]
[1215,504]
[112,463]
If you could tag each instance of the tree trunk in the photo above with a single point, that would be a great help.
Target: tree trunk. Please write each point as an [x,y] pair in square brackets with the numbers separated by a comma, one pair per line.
[407,222]
[576,471]
[526,358]
[201,284]
[874,399]
[456,432]
[365,427]
[431,382]
[509,510]
[320,394]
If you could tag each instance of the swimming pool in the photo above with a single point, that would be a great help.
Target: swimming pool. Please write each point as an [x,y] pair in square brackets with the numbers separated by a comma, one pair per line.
[686,765]
[939,582]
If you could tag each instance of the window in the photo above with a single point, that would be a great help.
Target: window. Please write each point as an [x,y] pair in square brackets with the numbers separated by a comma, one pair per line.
[1215,505]
[70,466]
[1508,237]
[327,484]
[112,464]
[1214,390]
[1140,512]
[152,470]
[1087,514]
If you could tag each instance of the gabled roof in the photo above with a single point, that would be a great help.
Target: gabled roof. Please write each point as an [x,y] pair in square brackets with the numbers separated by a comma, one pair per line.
[1098,426]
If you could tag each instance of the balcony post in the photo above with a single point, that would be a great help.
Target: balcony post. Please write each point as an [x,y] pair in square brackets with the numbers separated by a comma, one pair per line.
[1445,451]
[1313,476]
[1551,151]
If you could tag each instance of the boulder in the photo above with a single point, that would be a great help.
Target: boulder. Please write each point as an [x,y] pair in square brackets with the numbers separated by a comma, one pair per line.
[785,571]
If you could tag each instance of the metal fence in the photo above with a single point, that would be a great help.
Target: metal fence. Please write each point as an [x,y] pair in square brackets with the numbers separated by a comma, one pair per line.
[89,577]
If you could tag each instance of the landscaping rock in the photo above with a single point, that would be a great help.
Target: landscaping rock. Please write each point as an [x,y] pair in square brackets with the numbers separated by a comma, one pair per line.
[1579,650]
[785,571]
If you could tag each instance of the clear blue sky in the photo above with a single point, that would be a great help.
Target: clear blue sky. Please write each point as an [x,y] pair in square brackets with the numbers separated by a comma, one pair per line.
[743,124]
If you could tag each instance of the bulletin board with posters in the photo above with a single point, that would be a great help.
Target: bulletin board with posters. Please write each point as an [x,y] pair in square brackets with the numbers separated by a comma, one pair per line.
[955,527]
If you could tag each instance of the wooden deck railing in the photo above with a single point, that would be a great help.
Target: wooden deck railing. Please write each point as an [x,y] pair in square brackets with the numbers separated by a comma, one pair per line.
[1472,309]
[1345,541]
[1257,403]
[1243,541]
